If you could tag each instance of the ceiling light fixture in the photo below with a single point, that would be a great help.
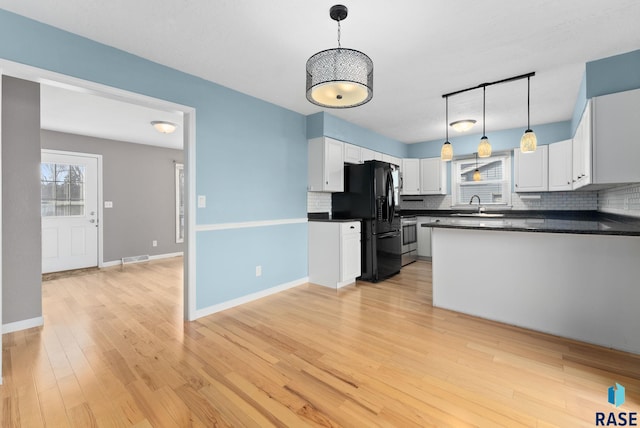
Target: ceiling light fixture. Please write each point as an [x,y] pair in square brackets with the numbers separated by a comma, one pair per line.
[484,148]
[476,174]
[340,77]
[463,125]
[528,142]
[164,127]
[446,153]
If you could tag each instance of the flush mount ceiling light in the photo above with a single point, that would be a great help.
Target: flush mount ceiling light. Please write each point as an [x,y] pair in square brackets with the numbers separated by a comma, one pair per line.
[484,148]
[446,154]
[476,174]
[528,142]
[340,77]
[163,126]
[463,125]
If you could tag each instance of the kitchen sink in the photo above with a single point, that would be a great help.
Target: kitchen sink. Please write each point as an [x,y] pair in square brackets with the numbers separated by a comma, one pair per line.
[480,215]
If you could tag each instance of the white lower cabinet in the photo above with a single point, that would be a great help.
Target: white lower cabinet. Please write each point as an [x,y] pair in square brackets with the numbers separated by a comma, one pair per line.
[334,253]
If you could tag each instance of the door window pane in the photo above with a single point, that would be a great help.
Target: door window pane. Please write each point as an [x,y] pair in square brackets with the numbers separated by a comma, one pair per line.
[62,190]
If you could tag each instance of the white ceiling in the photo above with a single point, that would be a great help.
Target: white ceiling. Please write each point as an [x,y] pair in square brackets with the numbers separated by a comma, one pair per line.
[79,112]
[420,49]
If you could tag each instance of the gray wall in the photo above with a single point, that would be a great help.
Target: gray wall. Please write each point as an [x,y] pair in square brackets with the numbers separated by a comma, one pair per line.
[140,181]
[21,229]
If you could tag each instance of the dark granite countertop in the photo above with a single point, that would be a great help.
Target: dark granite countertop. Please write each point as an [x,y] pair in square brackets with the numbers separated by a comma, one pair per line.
[326,217]
[577,222]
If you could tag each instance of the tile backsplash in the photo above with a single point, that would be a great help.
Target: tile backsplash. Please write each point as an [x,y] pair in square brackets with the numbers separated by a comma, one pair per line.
[573,201]
[621,200]
[318,202]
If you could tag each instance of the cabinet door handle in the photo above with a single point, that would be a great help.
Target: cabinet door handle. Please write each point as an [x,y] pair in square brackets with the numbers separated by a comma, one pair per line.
[351,227]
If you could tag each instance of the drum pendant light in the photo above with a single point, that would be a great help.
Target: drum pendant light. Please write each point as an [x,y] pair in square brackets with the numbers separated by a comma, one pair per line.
[340,77]
[484,148]
[446,154]
[528,142]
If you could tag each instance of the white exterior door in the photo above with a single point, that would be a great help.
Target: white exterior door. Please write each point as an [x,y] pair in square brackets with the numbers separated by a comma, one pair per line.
[69,209]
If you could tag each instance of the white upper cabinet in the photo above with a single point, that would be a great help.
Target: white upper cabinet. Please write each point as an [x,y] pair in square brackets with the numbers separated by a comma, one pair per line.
[392,160]
[352,153]
[410,183]
[367,154]
[325,165]
[560,166]
[616,147]
[581,174]
[531,170]
[433,180]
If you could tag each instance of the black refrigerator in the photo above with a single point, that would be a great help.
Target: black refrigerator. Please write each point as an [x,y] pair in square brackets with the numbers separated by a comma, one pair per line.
[371,194]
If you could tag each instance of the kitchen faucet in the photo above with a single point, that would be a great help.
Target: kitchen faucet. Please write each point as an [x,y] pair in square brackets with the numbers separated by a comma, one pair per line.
[480,209]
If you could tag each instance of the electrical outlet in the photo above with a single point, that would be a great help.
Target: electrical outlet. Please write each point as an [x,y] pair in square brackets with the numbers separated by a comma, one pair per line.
[154,243]
[202,201]
[108,204]
[258,270]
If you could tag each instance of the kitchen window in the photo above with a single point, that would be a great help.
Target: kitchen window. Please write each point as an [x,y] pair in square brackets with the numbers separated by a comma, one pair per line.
[494,188]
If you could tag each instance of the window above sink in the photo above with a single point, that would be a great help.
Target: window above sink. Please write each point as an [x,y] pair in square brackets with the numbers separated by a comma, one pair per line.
[494,188]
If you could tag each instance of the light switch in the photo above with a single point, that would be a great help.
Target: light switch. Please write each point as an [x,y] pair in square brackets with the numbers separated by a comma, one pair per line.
[202,201]
[108,204]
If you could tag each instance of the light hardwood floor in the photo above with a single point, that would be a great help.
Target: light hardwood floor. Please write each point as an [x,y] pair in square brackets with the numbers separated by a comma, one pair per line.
[114,351]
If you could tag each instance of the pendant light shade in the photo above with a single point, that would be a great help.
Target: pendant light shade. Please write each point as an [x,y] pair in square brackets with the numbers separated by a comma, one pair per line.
[446,153]
[340,77]
[529,141]
[484,148]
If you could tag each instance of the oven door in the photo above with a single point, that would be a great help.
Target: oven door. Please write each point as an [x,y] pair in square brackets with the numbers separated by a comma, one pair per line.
[409,235]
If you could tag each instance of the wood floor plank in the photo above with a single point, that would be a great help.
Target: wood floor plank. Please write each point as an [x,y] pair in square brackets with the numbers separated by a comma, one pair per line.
[114,352]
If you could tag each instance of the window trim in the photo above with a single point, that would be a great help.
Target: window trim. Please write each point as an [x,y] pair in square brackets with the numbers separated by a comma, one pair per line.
[505,157]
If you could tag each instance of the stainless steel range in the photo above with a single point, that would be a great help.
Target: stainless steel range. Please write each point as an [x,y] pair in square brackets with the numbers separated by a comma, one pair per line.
[409,237]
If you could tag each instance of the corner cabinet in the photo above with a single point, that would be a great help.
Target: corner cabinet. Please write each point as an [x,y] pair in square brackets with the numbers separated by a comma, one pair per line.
[560,166]
[325,164]
[531,170]
[433,178]
[334,253]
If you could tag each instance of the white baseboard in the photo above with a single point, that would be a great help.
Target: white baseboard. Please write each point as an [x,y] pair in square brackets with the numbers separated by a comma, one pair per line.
[22,325]
[248,298]
[156,257]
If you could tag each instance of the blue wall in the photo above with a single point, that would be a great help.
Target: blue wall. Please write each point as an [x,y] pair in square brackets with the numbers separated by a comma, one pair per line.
[607,76]
[251,156]
[324,124]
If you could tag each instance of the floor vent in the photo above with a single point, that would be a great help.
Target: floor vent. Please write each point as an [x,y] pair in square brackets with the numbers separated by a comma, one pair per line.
[135,259]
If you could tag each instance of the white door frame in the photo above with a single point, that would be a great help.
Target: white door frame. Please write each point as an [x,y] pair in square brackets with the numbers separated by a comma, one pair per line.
[100,261]
[35,74]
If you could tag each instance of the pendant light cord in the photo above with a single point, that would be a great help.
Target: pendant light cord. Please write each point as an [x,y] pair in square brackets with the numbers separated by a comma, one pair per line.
[484,98]
[446,124]
[339,45]
[528,108]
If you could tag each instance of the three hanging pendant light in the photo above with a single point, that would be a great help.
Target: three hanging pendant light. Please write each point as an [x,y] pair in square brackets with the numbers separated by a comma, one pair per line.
[528,141]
